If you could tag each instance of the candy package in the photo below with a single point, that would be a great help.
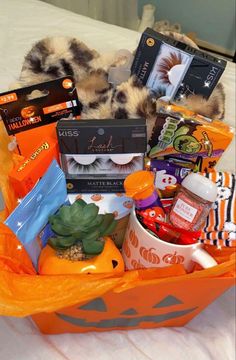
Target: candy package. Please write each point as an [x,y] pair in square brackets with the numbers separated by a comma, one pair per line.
[8,159]
[25,175]
[190,138]
[31,215]
[168,176]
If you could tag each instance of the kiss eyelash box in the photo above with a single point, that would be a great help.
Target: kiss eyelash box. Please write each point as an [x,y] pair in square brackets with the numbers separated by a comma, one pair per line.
[97,155]
[173,69]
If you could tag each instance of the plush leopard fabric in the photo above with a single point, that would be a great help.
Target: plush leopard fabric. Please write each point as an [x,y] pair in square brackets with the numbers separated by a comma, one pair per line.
[55,57]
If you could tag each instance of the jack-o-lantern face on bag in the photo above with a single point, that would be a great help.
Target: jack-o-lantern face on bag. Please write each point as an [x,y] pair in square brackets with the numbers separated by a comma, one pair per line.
[128,318]
[165,304]
[96,314]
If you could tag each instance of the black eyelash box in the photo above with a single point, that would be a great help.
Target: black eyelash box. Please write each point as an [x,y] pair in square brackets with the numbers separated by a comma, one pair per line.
[103,140]
[173,69]
[102,136]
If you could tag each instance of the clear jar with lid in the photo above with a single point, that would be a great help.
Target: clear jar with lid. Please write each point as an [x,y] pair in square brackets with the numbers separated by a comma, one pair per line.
[193,202]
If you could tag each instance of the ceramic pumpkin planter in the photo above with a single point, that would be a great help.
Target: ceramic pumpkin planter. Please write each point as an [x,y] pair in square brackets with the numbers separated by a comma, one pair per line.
[79,244]
[110,260]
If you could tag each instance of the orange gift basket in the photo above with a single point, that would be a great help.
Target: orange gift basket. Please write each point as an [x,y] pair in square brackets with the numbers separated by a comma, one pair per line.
[145,298]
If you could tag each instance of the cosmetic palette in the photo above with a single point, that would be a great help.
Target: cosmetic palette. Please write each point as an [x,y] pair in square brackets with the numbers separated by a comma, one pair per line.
[97,155]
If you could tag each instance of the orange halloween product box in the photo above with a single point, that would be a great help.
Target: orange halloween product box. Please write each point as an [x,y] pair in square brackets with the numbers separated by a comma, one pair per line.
[25,175]
[30,114]
[183,135]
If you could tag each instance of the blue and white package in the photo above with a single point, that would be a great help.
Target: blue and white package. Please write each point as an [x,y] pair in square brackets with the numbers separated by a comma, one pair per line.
[31,215]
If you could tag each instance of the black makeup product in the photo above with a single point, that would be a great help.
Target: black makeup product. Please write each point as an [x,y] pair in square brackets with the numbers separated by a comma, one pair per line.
[173,69]
[108,136]
[97,155]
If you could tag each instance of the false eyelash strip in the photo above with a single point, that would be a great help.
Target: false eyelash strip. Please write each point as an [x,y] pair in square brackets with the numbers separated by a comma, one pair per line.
[167,63]
[75,167]
[169,69]
[103,165]
[134,165]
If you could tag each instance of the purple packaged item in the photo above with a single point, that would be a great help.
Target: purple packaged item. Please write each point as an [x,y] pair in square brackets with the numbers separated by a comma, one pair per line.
[168,176]
[151,201]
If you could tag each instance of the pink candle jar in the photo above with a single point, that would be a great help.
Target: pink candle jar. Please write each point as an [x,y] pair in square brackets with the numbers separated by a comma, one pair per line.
[193,202]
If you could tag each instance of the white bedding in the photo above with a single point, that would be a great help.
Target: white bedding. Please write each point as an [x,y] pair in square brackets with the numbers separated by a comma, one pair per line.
[211,335]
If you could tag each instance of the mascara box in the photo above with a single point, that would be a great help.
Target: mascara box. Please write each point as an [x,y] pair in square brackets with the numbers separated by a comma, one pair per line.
[173,69]
[97,155]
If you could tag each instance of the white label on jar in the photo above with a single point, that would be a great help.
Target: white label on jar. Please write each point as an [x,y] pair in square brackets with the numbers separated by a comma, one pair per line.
[184,210]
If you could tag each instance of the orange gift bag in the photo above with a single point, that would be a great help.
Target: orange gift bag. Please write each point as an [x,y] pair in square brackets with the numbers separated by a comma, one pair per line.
[100,302]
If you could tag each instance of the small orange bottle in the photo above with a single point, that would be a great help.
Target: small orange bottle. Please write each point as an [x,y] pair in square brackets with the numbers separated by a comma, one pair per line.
[140,186]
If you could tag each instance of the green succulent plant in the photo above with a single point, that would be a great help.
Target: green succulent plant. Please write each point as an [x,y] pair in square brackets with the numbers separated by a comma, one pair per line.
[80,222]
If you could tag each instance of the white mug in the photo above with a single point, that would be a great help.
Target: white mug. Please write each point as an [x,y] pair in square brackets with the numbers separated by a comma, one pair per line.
[143,250]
